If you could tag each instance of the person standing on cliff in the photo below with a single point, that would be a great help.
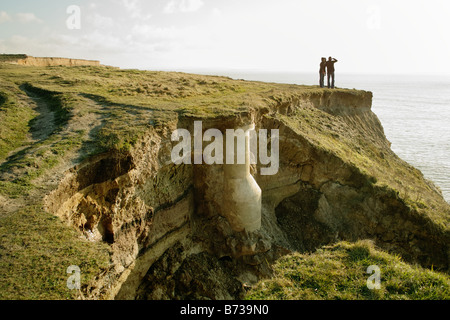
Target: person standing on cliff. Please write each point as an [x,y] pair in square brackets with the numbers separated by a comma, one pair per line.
[330,71]
[322,72]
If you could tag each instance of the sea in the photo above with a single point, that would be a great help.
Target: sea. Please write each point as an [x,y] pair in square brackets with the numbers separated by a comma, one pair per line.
[414,111]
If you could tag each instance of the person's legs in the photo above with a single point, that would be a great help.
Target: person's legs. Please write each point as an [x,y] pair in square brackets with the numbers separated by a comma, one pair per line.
[322,78]
[328,80]
[332,80]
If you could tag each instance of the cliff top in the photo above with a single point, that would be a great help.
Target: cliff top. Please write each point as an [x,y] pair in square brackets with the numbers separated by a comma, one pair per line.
[54,118]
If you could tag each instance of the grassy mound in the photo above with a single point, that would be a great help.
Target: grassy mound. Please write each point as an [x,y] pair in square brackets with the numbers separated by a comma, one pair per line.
[339,272]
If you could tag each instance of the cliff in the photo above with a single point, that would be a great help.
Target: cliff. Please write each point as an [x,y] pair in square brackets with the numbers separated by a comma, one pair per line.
[140,226]
[25,60]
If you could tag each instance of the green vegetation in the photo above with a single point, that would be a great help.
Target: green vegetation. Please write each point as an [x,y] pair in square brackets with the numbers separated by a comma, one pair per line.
[349,139]
[140,98]
[37,156]
[60,103]
[339,272]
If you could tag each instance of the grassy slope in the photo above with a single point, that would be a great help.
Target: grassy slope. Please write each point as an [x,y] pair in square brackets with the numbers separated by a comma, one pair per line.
[128,102]
[339,272]
[378,163]
[35,251]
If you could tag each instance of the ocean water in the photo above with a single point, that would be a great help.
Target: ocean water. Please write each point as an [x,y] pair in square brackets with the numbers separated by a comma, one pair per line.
[414,112]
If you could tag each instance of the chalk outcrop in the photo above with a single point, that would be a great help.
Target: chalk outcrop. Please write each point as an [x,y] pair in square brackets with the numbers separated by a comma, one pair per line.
[241,193]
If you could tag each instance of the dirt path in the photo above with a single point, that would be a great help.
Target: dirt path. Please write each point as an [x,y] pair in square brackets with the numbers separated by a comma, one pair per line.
[41,126]
[86,118]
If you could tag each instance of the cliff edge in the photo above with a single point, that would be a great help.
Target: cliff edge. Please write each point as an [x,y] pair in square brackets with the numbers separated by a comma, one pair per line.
[97,187]
[25,60]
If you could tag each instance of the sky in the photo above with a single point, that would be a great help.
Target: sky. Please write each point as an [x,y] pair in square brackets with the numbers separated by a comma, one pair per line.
[366,36]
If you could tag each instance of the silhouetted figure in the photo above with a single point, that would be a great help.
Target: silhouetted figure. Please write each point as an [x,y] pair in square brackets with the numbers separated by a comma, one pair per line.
[330,71]
[322,72]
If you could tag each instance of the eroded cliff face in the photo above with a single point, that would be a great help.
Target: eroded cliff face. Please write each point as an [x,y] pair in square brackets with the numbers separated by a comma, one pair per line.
[25,60]
[170,238]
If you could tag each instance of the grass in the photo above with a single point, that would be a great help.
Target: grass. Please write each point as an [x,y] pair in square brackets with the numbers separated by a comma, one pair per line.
[35,251]
[60,103]
[11,57]
[339,272]
[360,147]
[37,156]
[32,164]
